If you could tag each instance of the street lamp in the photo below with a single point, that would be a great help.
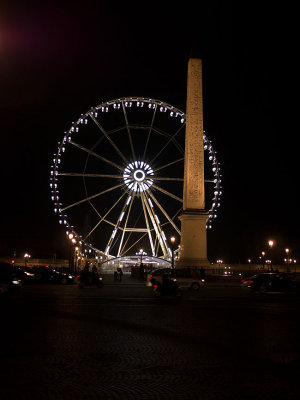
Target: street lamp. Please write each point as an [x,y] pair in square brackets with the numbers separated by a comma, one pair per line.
[26,256]
[141,253]
[269,262]
[172,240]
[76,258]
[263,259]
[288,261]
[271,244]
[71,253]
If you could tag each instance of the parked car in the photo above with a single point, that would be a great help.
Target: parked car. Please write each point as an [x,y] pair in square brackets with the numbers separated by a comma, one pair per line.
[184,277]
[271,282]
[46,274]
[10,281]
[25,275]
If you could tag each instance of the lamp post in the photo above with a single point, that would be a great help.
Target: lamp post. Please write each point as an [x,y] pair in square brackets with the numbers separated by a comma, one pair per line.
[263,260]
[71,253]
[219,261]
[26,256]
[269,262]
[76,258]
[172,240]
[271,244]
[141,253]
[288,260]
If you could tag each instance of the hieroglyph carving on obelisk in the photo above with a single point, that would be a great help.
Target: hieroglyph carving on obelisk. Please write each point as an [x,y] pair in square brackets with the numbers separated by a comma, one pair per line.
[193,191]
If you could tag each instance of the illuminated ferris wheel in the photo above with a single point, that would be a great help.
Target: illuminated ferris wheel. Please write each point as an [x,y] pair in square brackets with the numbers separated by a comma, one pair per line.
[117,177]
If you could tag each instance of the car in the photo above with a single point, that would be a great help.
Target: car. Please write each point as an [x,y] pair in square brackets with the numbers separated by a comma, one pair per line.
[157,274]
[10,281]
[271,282]
[25,275]
[190,278]
[47,274]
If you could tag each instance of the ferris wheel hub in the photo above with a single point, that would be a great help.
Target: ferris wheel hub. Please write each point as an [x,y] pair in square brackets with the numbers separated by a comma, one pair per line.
[138,176]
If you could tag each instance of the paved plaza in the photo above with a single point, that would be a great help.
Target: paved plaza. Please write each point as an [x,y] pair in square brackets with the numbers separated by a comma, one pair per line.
[120,342]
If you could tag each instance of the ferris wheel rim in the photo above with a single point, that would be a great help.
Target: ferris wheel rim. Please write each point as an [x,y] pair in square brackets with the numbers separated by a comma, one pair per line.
[164,107]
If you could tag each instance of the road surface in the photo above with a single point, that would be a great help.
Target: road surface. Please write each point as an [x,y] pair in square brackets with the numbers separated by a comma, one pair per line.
[120,342]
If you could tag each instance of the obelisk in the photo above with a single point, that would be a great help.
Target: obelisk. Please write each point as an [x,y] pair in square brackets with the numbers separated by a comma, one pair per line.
[193,246]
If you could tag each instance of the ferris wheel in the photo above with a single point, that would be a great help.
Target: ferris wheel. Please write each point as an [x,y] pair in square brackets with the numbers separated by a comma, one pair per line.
[117,177]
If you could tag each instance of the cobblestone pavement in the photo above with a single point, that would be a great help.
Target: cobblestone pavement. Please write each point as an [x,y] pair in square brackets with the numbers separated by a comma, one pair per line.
[120,342]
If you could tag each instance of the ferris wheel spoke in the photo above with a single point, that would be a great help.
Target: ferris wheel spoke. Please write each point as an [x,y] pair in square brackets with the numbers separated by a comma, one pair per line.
[147,224]
[167,193]
[169,164]
[174,216]
[149,133]
[164,212]
[156,225]
[160,178]
[92,153]
[91,197]
[117,225]
[120,128]
[104,216]
[128,131]
[171,139]
[83,175]
[177,212]
[135,243]
[109,139]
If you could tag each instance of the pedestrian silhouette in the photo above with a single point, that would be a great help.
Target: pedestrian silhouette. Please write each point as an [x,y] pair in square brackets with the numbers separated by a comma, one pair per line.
[120,273]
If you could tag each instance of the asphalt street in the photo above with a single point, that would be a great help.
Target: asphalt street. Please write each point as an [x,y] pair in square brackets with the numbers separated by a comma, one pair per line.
[121,342]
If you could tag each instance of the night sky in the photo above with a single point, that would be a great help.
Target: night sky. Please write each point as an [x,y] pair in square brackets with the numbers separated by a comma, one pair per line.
[60,59]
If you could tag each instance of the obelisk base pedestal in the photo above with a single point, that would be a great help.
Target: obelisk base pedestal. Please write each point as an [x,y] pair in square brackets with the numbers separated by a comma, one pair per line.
[193,246]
